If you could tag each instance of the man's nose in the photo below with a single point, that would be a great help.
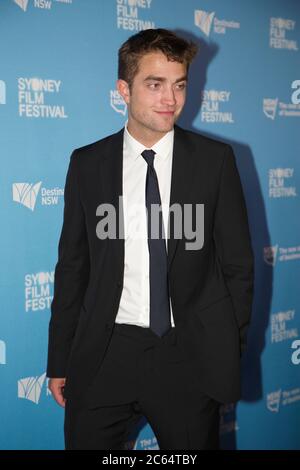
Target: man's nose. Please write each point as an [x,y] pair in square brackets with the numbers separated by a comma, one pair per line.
[169,96]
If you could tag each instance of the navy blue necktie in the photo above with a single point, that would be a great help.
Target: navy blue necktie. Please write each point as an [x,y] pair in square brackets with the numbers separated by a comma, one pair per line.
[160,315]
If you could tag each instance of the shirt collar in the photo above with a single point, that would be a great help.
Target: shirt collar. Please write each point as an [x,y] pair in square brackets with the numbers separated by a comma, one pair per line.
[134,148]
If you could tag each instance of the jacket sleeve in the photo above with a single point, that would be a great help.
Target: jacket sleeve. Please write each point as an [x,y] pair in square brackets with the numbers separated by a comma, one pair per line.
[70,277]
[233,243]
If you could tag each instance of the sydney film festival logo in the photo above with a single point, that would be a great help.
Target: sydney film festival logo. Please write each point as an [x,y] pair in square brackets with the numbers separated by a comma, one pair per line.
[280,183]
[279,27]
[37,98]
[130,12]
[38,291]
[283,326]
[213,102]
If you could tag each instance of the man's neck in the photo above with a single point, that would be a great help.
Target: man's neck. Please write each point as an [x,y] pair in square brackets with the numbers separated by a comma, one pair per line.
[148,139]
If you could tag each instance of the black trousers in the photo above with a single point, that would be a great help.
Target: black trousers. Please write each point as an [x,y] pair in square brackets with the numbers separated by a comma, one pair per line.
[143,375]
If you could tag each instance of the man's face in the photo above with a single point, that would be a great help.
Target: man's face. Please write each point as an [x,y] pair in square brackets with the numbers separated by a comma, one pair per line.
[156,98]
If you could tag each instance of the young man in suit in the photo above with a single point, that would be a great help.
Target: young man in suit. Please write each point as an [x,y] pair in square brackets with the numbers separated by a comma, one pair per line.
[147,325]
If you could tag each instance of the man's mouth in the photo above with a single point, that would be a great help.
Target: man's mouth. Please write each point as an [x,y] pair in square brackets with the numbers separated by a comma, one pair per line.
[167,113]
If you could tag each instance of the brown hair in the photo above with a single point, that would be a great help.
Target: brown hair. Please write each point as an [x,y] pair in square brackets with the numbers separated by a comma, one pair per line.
[172,46]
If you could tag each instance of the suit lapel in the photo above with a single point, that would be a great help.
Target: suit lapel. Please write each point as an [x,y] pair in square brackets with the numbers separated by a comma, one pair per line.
[182,174]
[111,170]
[111,178]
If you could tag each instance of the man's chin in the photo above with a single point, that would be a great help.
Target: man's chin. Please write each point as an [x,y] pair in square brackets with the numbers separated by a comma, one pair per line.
[165,127]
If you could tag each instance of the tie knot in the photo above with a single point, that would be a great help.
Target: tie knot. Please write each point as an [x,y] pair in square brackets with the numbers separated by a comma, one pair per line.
[148,155]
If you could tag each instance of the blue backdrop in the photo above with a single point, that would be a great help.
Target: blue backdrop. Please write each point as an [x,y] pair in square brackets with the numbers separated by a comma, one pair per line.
[58,68]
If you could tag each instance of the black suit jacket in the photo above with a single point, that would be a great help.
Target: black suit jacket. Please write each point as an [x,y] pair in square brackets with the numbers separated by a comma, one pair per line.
[211,289]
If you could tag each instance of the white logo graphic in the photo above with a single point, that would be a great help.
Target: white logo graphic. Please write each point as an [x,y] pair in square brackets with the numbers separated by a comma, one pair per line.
[50,197]
[278,29]
[281,326]
[270,107]
[270,253]
[284,254]
[22,4]
[43,4]
[204,21]
[128,15]
[282,398]
[26,193]
[273,401]
[2,352]
[38,291]
[30,388]
[2,92]
[117,103]
[32,95]
[279,179]
[212,100]
[295,98]
[296,354]
[289,253]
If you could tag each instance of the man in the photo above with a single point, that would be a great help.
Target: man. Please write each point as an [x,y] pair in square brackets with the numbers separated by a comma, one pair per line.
[148,325]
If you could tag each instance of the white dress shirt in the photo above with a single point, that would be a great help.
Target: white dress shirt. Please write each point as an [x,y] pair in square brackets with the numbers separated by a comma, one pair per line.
[134,305]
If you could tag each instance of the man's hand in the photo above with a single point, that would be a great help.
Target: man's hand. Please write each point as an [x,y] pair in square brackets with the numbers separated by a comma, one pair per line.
[56,387]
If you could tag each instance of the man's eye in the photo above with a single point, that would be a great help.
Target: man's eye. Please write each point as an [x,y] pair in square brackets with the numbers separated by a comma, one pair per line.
[181,86]
[154,86]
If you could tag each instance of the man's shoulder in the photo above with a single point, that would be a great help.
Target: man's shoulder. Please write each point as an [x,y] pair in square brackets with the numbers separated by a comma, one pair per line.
[203,148]
[98,147]
[200,139]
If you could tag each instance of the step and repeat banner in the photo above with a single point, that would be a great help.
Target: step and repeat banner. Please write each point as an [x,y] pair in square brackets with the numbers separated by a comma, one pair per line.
[58,71]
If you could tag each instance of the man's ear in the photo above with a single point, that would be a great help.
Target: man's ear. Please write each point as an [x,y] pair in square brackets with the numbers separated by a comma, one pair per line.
[123,89]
